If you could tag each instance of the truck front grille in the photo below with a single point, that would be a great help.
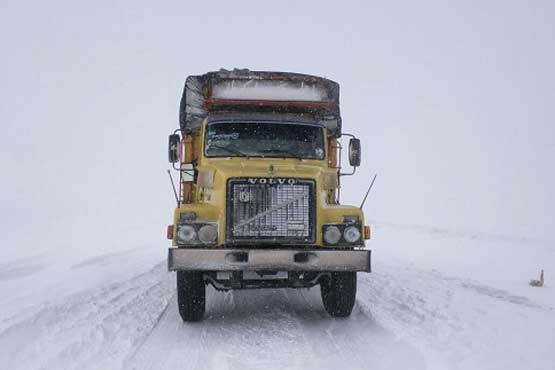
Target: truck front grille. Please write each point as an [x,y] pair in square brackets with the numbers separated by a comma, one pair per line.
[270,210]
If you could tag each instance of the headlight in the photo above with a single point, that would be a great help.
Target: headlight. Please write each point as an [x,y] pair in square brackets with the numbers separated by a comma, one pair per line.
[332,235]
[351,234]
[186,233]
[197,233]
[208,234]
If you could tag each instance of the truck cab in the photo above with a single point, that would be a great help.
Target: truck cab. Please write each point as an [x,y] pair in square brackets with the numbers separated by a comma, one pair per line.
[258,158]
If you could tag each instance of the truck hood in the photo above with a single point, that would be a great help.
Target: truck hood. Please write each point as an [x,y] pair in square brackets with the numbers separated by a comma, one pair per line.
[268,168]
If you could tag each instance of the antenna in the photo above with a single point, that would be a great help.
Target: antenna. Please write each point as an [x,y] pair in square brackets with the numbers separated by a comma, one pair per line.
[368,191]
[173,187]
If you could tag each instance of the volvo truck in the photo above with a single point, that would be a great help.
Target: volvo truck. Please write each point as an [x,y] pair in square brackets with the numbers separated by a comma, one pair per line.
[258,159]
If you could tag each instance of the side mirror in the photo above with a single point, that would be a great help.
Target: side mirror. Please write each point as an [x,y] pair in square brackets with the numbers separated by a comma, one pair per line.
[173,148]
[354,152]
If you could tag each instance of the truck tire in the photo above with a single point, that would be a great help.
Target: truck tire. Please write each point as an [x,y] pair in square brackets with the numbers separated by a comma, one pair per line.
[339,293]
[191,295]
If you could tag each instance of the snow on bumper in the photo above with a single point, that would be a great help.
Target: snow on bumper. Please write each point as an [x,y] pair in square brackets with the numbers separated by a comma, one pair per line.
[268,259]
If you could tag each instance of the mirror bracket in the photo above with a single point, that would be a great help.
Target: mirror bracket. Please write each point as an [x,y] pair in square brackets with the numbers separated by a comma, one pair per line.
[354,154]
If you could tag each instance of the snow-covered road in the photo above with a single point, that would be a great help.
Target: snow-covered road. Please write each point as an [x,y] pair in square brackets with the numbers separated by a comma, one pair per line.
[267,329]
[119,311]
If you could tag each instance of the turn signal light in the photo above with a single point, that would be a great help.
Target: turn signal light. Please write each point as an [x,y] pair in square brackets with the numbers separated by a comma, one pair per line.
[169,232]
[366,232]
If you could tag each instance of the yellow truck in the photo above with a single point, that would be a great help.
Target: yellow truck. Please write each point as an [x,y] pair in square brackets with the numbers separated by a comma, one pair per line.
[259,162]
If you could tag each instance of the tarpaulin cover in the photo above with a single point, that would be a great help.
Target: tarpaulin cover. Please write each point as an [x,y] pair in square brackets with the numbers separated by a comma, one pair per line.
[245,91]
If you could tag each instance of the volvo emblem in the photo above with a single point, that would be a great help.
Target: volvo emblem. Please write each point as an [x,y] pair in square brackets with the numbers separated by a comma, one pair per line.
[272,181]
[244,196]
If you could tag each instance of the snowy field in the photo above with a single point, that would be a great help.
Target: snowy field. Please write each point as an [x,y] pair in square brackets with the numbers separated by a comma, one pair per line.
[435,300]
[453,102]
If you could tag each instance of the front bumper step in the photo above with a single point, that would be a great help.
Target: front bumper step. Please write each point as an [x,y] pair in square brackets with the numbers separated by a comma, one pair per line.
[193,259]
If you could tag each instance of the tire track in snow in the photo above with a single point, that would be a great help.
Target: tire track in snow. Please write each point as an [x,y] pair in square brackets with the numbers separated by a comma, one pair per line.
[404,317]
[267,329]
[450,319]
[93,329]
[157,322]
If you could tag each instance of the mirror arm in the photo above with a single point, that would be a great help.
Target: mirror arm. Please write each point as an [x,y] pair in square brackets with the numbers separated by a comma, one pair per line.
[347,173]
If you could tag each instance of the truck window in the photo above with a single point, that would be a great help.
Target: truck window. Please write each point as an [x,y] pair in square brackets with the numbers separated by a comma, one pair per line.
[264,139]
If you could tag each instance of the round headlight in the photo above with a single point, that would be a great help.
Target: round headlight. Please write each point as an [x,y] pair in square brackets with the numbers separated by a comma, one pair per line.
[351,234]
[332,235]
[208,234]
[186,233]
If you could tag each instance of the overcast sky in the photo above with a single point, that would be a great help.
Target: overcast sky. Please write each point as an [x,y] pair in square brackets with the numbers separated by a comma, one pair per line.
[453,102]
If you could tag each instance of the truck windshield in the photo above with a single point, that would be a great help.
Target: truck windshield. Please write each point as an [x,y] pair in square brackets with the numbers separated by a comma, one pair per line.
[264,139]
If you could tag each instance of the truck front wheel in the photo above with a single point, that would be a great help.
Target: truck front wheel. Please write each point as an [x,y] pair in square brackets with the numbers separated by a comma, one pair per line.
[339,291]
[191,295]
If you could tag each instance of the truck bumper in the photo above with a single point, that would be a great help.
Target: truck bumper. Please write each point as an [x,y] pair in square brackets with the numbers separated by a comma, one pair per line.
[193,259]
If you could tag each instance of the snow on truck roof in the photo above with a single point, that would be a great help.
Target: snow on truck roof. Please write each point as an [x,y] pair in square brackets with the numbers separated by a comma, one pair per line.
[277,93]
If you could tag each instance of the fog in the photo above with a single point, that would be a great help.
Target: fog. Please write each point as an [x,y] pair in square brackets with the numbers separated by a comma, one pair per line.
[453,102]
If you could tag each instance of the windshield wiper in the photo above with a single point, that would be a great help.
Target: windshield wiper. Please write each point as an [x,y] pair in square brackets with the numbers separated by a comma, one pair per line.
[234,151]
[281,151]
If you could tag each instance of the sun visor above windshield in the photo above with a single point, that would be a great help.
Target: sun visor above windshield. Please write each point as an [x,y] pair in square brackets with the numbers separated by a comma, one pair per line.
[244,91]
